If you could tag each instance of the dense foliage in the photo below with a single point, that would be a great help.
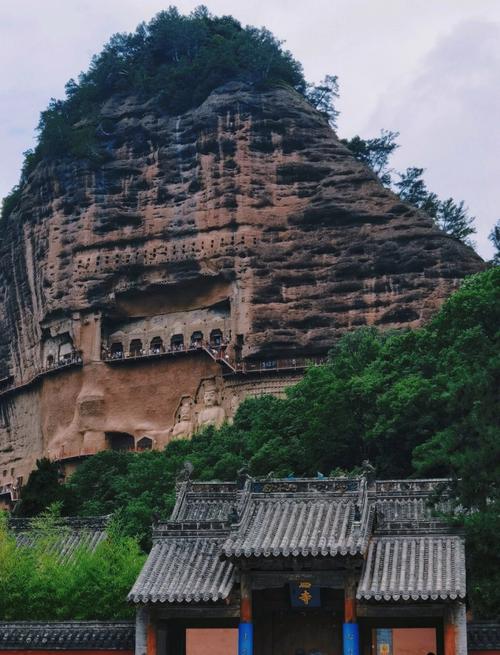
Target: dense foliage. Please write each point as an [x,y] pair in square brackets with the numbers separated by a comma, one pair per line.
[452,217]
[177,60]
[39,584]
[422,402]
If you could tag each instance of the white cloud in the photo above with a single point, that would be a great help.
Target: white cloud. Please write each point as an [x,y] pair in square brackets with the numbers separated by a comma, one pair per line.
[447,116]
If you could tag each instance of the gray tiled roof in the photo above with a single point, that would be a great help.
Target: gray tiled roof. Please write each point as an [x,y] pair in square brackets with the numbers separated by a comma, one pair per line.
[184,564]
[408,550]
[67,635]
[413,567]
[289,526]
[205,501]
[301,518]
[414,553]
[184,569]
[72,533]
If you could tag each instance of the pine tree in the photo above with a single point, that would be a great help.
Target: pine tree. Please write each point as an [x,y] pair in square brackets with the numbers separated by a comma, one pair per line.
[494,237]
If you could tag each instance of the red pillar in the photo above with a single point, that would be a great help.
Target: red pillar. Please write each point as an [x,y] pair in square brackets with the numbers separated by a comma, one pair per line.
[151,639]
[350,630]
[455,629]
[350,597]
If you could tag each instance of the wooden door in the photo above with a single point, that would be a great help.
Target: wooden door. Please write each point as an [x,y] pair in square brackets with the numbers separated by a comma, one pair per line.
[301,633]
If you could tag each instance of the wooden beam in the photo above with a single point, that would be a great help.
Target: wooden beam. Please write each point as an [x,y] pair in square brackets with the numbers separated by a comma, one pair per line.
[220,612]
[275,580]
[378,610]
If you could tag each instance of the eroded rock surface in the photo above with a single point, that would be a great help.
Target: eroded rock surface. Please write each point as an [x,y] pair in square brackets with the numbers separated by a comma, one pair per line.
[244,219]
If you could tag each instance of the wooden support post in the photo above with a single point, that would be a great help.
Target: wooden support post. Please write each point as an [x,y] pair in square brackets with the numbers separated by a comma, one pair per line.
[350,630]
[455,629]
[141,630]
[151,639]
[245,629]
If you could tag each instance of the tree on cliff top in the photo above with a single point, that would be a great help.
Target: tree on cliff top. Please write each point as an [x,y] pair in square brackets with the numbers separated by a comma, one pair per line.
[176,59]
[494,237]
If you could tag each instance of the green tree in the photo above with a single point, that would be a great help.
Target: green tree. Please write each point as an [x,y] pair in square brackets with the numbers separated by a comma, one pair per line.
[494,237]
[137,487]
[40,583]
[323,96]
[412,188]
[453,218]
[375,153]
[42,488]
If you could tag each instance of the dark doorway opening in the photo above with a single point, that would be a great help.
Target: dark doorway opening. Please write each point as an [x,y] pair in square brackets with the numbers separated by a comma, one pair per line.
[156,345]
[197,339]
[216,338]
[116,349]
[177,342]
[135,348]
[145,443]
[120,441]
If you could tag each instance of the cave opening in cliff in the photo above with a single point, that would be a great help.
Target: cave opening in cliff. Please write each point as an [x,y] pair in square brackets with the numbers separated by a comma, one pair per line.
[216,338]
[145,443]
[116,349]
[197,339]
[177,342]
[183,296]
[135,348]
[156,345]
[120,441]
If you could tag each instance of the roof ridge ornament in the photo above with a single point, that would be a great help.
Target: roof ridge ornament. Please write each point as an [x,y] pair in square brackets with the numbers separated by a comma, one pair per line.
[186,472]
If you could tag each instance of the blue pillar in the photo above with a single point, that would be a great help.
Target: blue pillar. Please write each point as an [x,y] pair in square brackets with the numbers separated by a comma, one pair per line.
[245,639]
[350,634]
[245,629]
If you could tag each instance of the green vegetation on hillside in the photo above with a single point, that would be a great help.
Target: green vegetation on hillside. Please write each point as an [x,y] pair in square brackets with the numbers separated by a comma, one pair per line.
[38,583]
[415,403]
[177,60]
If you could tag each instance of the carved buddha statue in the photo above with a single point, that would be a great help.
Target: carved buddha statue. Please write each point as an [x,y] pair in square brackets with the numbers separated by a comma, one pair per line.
[212,413]
[184,426]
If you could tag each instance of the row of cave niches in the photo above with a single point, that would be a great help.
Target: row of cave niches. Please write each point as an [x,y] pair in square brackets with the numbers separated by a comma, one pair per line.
[231,246]
[117,350]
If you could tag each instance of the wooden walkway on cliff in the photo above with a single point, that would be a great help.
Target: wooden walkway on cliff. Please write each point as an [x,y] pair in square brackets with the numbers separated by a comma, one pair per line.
[219,355]
[231,366]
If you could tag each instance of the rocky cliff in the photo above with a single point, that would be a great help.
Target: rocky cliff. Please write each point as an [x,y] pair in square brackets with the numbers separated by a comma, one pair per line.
[243,222]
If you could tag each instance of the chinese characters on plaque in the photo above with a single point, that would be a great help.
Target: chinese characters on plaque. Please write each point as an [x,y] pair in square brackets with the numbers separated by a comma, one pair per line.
[304,594]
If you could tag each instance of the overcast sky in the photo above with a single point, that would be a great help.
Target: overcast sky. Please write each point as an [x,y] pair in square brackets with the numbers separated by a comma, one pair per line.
[429,69]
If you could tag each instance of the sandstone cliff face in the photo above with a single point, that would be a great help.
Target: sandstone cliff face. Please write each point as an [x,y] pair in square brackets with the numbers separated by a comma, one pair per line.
[244,217]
